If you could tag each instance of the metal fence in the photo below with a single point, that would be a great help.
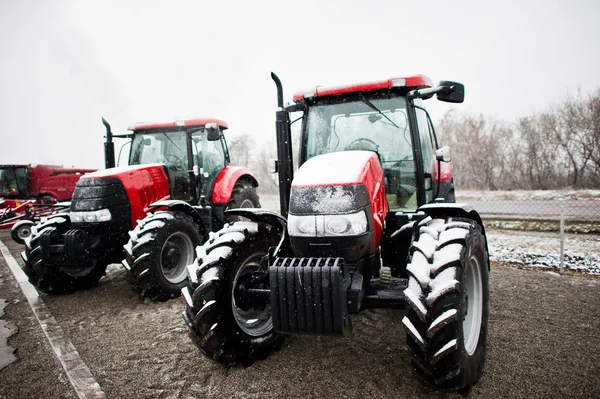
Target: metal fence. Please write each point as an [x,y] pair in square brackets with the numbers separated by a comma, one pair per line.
[556,230]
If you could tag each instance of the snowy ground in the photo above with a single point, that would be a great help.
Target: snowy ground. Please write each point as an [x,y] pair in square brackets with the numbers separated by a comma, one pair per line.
[138,350]
[531,249]
[6,330]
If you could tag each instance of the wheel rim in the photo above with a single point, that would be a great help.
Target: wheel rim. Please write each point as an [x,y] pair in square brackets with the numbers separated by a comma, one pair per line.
[24,232]
[177,252]
[252,320]
[474,306]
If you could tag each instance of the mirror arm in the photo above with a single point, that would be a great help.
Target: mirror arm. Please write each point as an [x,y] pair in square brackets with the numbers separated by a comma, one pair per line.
[422,93]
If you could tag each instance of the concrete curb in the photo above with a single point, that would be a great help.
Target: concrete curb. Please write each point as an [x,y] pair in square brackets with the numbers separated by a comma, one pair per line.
[77,371]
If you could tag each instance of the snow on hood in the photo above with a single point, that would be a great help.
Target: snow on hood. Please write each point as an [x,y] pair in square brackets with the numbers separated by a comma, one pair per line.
[336,168]
[120,169]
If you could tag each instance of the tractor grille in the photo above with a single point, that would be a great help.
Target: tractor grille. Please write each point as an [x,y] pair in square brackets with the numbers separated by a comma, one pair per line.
[104,193]
[99,193]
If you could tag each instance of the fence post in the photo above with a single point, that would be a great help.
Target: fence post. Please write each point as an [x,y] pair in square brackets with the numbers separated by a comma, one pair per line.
[561,268]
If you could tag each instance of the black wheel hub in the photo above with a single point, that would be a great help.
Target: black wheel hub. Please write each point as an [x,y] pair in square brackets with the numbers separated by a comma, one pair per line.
[244,299]
[171,257]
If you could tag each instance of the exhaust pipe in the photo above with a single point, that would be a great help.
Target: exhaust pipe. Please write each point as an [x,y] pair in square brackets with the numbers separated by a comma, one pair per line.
[285,166]
[109,147]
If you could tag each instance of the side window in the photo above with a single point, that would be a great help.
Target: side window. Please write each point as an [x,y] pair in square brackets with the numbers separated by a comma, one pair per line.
[427,146]
[210,158]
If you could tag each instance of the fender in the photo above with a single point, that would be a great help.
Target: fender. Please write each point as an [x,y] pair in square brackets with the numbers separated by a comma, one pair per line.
[260,215]
[225,181]
[181,206]
[272,218]
[459,210]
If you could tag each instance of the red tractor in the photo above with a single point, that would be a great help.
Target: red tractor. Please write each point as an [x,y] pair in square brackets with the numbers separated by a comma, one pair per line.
[372,190]
[28,191]
[153,212]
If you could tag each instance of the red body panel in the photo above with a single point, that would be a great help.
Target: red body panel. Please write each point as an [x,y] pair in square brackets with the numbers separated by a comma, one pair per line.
[55,181]
[144,185]
[412,82]
[225,181]
[370,175]
[187,123]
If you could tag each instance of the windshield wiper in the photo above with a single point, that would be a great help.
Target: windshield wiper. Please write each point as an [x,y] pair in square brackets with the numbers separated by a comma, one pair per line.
[370,104]
[172,142]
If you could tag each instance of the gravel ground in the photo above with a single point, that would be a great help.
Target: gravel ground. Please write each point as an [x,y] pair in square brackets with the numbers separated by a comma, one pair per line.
[542,250]
[543,343]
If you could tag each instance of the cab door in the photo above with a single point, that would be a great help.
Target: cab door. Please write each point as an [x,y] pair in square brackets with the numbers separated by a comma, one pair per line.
[438,180]
[209,158]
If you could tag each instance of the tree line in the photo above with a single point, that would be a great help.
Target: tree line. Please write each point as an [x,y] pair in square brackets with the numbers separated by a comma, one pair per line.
[556,148]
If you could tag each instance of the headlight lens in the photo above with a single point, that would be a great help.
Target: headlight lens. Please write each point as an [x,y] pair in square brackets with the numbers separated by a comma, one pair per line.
[345,225]
[102,215]
[302,226]
[327,225]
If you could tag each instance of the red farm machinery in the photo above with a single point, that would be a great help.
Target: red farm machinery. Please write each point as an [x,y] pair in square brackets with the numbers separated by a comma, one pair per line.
[373,189]
[149,215]
[30,191]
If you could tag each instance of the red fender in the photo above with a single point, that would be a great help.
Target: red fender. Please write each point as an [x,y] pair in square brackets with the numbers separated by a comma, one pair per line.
[226,180]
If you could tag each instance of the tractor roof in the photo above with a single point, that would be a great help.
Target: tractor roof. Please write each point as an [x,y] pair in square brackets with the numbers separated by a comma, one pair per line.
[198,122]
[410,82]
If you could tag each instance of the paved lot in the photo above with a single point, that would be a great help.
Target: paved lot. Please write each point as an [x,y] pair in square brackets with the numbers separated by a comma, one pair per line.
[544,342]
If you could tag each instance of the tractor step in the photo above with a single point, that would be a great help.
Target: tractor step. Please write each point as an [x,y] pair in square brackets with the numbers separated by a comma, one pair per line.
[389,296]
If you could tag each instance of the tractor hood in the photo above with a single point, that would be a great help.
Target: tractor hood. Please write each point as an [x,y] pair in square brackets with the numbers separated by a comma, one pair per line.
[139,185]
[337,183]
[338,199]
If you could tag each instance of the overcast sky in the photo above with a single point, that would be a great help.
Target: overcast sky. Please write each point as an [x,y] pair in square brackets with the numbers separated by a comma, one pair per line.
[64,64]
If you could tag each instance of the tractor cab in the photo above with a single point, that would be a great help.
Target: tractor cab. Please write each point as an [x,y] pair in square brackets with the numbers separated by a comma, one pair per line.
[384,118]
[13,181]
[193,151]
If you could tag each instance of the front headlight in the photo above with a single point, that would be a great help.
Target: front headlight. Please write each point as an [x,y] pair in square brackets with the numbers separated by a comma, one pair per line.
[327,225]
[102,215]
[345,225]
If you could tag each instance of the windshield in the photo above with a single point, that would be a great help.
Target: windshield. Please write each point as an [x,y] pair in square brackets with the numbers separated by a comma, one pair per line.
[378,124]
[13,181]
[168,148]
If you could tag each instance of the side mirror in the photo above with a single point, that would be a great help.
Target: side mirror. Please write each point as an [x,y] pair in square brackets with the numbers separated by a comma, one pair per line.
[454,93]
[443,154]
[213,132]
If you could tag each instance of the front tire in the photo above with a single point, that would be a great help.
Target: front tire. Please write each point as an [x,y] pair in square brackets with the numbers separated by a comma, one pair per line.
[446,319]
[227,325]
[53,279]
[157,253]
[21,230]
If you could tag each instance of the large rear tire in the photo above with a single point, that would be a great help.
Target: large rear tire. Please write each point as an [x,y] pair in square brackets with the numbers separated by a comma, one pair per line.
[227,325]
[157,253]
[53,279]
[446,319]
[243,195]
[21,230]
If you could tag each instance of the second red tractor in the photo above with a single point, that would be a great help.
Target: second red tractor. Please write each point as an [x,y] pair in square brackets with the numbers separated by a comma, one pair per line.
[149,215]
